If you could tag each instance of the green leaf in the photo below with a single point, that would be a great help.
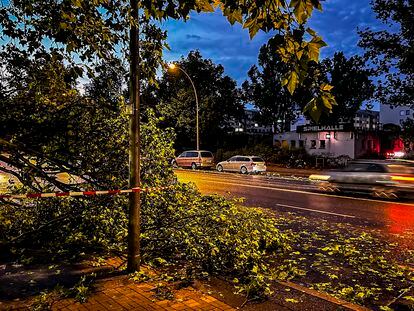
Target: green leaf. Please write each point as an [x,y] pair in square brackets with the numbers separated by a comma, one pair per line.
[300,11]
[291,82]
[76,3]
[314,47]
[313,110]
[409,298]
[253,31]
[317,4]
[63,25]
[311,32]
[292,300]
[233,16]
[204,6]
[326,87]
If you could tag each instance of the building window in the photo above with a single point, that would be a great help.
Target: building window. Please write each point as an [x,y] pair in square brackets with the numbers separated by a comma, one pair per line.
[407,112]
[402,113]
[301,144]
[313,144]
[322,144]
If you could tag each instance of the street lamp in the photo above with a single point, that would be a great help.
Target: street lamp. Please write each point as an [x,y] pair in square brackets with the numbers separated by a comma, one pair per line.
[173,66]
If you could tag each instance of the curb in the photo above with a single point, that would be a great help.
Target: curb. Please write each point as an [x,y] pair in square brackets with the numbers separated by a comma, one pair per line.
[267,175]
[323,296]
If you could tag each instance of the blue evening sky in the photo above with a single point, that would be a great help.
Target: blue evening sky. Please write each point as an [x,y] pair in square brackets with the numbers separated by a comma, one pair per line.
[231,46]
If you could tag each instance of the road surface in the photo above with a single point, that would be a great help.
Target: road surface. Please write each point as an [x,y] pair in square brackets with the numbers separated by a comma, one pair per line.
[289,195]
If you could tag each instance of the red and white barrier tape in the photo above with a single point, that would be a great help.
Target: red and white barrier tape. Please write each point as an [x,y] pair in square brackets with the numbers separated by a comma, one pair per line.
[80,193]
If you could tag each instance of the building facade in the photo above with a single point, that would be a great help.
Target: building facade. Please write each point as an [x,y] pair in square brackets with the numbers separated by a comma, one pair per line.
[357,139]
[395,115]
[249,124]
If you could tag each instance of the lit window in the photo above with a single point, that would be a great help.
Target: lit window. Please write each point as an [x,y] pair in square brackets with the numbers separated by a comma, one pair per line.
[402,113]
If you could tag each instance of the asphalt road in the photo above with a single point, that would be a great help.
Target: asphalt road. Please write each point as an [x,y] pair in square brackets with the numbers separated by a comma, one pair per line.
[302,197]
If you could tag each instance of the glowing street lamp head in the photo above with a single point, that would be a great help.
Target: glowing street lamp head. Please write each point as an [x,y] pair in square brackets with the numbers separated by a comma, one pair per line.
[172,66]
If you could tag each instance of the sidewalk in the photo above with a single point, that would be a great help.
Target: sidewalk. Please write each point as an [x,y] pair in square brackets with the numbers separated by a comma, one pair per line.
[25,288]
[120,293]
[21,288]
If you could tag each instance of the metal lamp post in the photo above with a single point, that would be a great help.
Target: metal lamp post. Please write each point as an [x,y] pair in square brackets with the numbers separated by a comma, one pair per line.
[173,66]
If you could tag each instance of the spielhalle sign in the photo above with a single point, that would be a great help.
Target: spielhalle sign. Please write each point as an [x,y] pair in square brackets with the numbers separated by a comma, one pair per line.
[325,128]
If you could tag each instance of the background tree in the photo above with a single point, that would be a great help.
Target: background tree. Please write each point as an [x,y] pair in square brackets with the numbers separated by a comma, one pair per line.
[391,51]
[351,83]
[219,100]
[264,89]
[407,133]
[276,104]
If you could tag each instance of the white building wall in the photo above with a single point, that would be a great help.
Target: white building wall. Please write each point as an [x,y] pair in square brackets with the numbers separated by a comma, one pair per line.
[339,143]
[395,115]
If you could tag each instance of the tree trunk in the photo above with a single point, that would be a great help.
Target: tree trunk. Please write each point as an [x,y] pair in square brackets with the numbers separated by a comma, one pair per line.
[134,223]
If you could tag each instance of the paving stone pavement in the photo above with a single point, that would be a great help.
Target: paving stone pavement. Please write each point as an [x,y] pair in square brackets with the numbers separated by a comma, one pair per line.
[120,293]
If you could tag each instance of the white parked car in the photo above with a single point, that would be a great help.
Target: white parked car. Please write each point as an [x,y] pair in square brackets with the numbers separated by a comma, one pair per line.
[242,164]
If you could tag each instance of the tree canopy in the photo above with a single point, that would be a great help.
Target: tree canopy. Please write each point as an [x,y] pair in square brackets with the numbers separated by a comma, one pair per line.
[347,75]
[218,96]
[88,29]
[279,107]
[391,51]
[265,91]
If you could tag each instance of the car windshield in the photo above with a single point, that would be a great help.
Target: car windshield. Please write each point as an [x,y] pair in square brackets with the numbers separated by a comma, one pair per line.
[257,159]
[357,167]
[206,154]
[366,167]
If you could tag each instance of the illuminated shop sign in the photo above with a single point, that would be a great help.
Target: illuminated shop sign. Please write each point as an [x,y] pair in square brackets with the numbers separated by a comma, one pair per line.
[325,128]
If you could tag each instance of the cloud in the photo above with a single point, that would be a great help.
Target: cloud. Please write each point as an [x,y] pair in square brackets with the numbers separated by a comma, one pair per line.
[193,37]
[231,46]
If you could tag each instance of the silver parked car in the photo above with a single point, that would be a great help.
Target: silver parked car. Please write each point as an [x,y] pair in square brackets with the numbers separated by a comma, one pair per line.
[194,159]
[242,164]
[384,179]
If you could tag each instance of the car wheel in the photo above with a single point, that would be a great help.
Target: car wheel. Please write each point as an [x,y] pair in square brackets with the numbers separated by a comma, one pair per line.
[193,166]
[220,168]
[243,170]
[174,164]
